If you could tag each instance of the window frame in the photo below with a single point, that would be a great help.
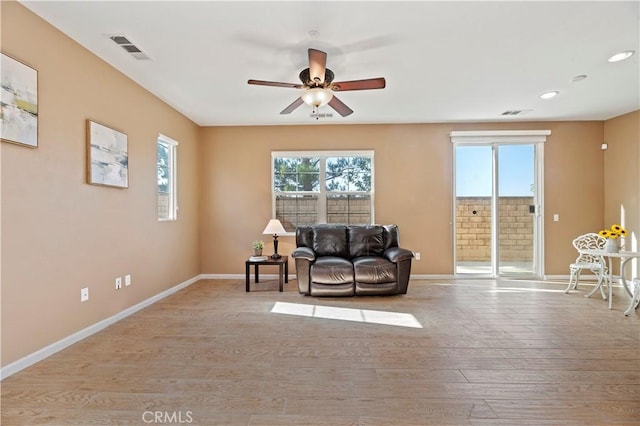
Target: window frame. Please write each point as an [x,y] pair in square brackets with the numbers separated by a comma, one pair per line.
[322,193]
[172,146]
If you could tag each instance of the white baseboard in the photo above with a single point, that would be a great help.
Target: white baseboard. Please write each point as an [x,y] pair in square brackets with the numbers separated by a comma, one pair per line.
[61,344]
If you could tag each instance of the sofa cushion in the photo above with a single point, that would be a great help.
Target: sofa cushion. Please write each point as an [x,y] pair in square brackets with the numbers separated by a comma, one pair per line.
[304,236]
[390,236]
[365,241]
[384,289]
[332,290]
[374,270]
[332,270]
[330,240]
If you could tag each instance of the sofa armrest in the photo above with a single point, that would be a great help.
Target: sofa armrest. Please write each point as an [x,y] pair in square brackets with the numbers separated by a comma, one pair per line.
[304,253]
[397,254]
[304,257]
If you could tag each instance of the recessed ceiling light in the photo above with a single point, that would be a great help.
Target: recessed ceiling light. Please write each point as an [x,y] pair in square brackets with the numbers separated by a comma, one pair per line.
[621,56]
[578,78]
[549,95]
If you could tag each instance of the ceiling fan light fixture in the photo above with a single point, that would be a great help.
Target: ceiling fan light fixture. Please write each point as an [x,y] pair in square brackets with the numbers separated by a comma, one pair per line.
[317,97]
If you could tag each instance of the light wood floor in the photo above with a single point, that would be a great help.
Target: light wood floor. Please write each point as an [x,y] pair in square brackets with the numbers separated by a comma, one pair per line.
[489,353]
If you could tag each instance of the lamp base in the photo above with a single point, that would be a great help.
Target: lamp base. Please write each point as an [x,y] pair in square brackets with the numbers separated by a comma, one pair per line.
[275,254]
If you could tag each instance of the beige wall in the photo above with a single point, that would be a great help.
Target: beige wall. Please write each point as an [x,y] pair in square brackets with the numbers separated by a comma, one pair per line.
[574,189]
[622,179]
[60,234]
[413,185]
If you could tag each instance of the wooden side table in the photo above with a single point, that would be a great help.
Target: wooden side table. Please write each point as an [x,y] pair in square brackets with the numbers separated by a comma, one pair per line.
[283,269]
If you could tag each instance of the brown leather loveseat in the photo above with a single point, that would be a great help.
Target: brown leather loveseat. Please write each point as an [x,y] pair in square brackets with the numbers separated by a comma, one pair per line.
[349,260]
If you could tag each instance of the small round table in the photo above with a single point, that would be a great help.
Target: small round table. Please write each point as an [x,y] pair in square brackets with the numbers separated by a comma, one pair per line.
[625,257]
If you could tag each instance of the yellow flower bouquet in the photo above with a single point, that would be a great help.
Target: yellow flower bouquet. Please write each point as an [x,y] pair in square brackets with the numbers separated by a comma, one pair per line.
[614,232]
[613,244]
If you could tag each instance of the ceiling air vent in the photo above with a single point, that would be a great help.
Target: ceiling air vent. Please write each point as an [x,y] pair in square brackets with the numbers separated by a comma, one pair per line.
[516,112]
[128,46]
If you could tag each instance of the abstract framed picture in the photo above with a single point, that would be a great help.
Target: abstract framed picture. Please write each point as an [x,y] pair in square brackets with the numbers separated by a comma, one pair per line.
[18,102]
[107,156]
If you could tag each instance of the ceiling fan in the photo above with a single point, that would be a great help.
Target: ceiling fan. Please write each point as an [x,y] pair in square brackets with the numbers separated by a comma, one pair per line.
[319,87]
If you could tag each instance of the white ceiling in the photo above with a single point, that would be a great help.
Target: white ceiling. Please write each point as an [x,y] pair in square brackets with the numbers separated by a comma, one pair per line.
[443,61]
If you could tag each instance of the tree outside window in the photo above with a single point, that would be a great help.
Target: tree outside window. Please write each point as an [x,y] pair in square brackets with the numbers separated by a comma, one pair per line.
[332,187]
[166,184]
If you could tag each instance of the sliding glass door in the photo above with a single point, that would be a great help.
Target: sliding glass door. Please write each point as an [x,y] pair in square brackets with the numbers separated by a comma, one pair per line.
[474,209]
[497,210]
[517,209]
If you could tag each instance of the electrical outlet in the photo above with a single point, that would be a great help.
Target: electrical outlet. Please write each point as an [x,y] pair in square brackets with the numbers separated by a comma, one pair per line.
[127,280]
[556,217]
[84,294]
[417,256]
[118,283]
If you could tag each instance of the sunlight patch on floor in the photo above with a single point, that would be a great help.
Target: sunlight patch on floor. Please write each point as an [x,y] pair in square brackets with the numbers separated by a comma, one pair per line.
[523,289]
[399,319]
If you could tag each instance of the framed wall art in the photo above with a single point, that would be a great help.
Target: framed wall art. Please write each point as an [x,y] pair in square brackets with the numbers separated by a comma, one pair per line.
[107,156]
[18,102]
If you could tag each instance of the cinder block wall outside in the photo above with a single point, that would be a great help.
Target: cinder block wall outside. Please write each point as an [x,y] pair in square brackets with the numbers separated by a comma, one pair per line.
[303,210]
[473,239]
[163,205]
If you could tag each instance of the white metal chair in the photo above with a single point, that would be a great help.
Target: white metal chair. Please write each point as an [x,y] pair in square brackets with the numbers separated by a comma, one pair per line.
[595,264]
[636,297]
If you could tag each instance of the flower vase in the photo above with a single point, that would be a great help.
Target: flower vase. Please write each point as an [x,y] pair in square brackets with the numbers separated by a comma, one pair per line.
[257,252]
[611,246]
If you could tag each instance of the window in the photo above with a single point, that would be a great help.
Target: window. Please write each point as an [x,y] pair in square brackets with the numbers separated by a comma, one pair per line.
[322,187]
[167,200]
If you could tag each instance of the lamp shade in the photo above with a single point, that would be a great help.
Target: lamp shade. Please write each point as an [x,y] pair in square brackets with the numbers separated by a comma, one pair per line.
[317,97]
[274,227]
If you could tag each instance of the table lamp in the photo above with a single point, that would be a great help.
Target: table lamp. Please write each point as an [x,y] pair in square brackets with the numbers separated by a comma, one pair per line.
[274,227]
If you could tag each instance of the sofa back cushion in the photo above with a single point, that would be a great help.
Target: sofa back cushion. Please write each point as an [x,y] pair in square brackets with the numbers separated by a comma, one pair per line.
[330,240]
[366,241]
[304,236]
[390,236]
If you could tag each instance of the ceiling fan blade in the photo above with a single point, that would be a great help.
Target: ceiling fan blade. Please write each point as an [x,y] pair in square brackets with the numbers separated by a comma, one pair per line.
[276,84]
[371,83]
[317,65]
[340,107]
[295,104]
